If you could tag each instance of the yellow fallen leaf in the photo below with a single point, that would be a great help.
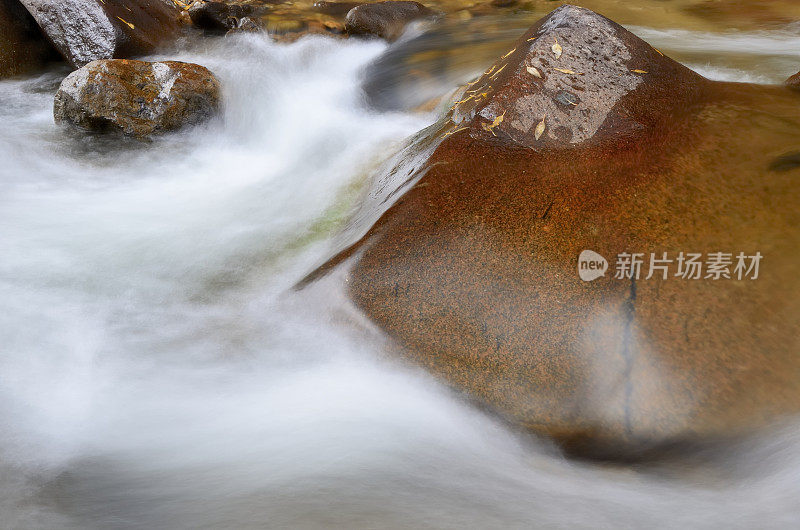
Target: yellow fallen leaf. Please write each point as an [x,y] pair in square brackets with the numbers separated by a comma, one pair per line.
[453,131]
[509,53]
[534,72]
[540,127]
[532,39]
[497,72]
[497,121]
[638,71]
[563,71]
[127,23]
[457,103]
[659,52]
[557,49]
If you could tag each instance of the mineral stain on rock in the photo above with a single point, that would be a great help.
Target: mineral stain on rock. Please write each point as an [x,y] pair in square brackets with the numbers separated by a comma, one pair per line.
[137,98]
[465,253]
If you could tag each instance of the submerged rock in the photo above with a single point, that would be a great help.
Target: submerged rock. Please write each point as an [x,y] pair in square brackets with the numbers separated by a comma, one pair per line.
[334,8]
[85,30]
[137,98]
[22,45]
[221,16]
[503,3]
[386,20]
[584,137]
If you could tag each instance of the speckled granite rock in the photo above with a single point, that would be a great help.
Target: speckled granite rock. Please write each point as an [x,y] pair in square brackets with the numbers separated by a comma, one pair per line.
[585,137]
[137,98]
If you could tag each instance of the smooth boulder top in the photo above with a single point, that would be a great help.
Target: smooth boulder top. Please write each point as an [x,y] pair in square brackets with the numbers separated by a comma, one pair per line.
[470,244]
[85,30]
[385,20]
[137,98]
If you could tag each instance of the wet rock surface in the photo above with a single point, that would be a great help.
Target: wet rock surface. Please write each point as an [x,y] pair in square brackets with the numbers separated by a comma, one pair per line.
[221,16]
[23,47]
[386,20]
[794,82]
[585,137]
[137,98]
[142,25]
[85,30]
[568,79]
[334,8]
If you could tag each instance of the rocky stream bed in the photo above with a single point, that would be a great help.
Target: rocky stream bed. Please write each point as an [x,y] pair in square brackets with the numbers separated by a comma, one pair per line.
[313,264]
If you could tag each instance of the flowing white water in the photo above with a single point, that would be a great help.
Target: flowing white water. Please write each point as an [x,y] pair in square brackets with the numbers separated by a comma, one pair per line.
[745,57]
[158,372]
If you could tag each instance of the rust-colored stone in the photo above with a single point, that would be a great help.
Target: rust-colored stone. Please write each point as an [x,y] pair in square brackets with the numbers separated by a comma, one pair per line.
[472,264]
[137,98]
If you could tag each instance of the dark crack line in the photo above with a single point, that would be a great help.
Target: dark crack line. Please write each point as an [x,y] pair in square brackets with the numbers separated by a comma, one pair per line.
[627,354]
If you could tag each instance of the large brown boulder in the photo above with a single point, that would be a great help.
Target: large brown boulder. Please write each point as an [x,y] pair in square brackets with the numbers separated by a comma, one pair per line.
[584,137]
[87,30]
[137,98]
[22,45]
[386,20]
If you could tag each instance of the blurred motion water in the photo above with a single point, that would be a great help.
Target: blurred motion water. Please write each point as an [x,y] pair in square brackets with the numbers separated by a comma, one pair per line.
[159,372]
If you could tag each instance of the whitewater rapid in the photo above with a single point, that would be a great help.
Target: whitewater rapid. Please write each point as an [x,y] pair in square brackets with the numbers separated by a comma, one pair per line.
[158,371]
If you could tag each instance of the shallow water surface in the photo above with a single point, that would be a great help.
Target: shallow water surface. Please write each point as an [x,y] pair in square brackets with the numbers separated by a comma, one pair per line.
[158,371]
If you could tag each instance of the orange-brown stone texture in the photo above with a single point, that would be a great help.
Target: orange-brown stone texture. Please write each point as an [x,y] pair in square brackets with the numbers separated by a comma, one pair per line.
[585,137]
